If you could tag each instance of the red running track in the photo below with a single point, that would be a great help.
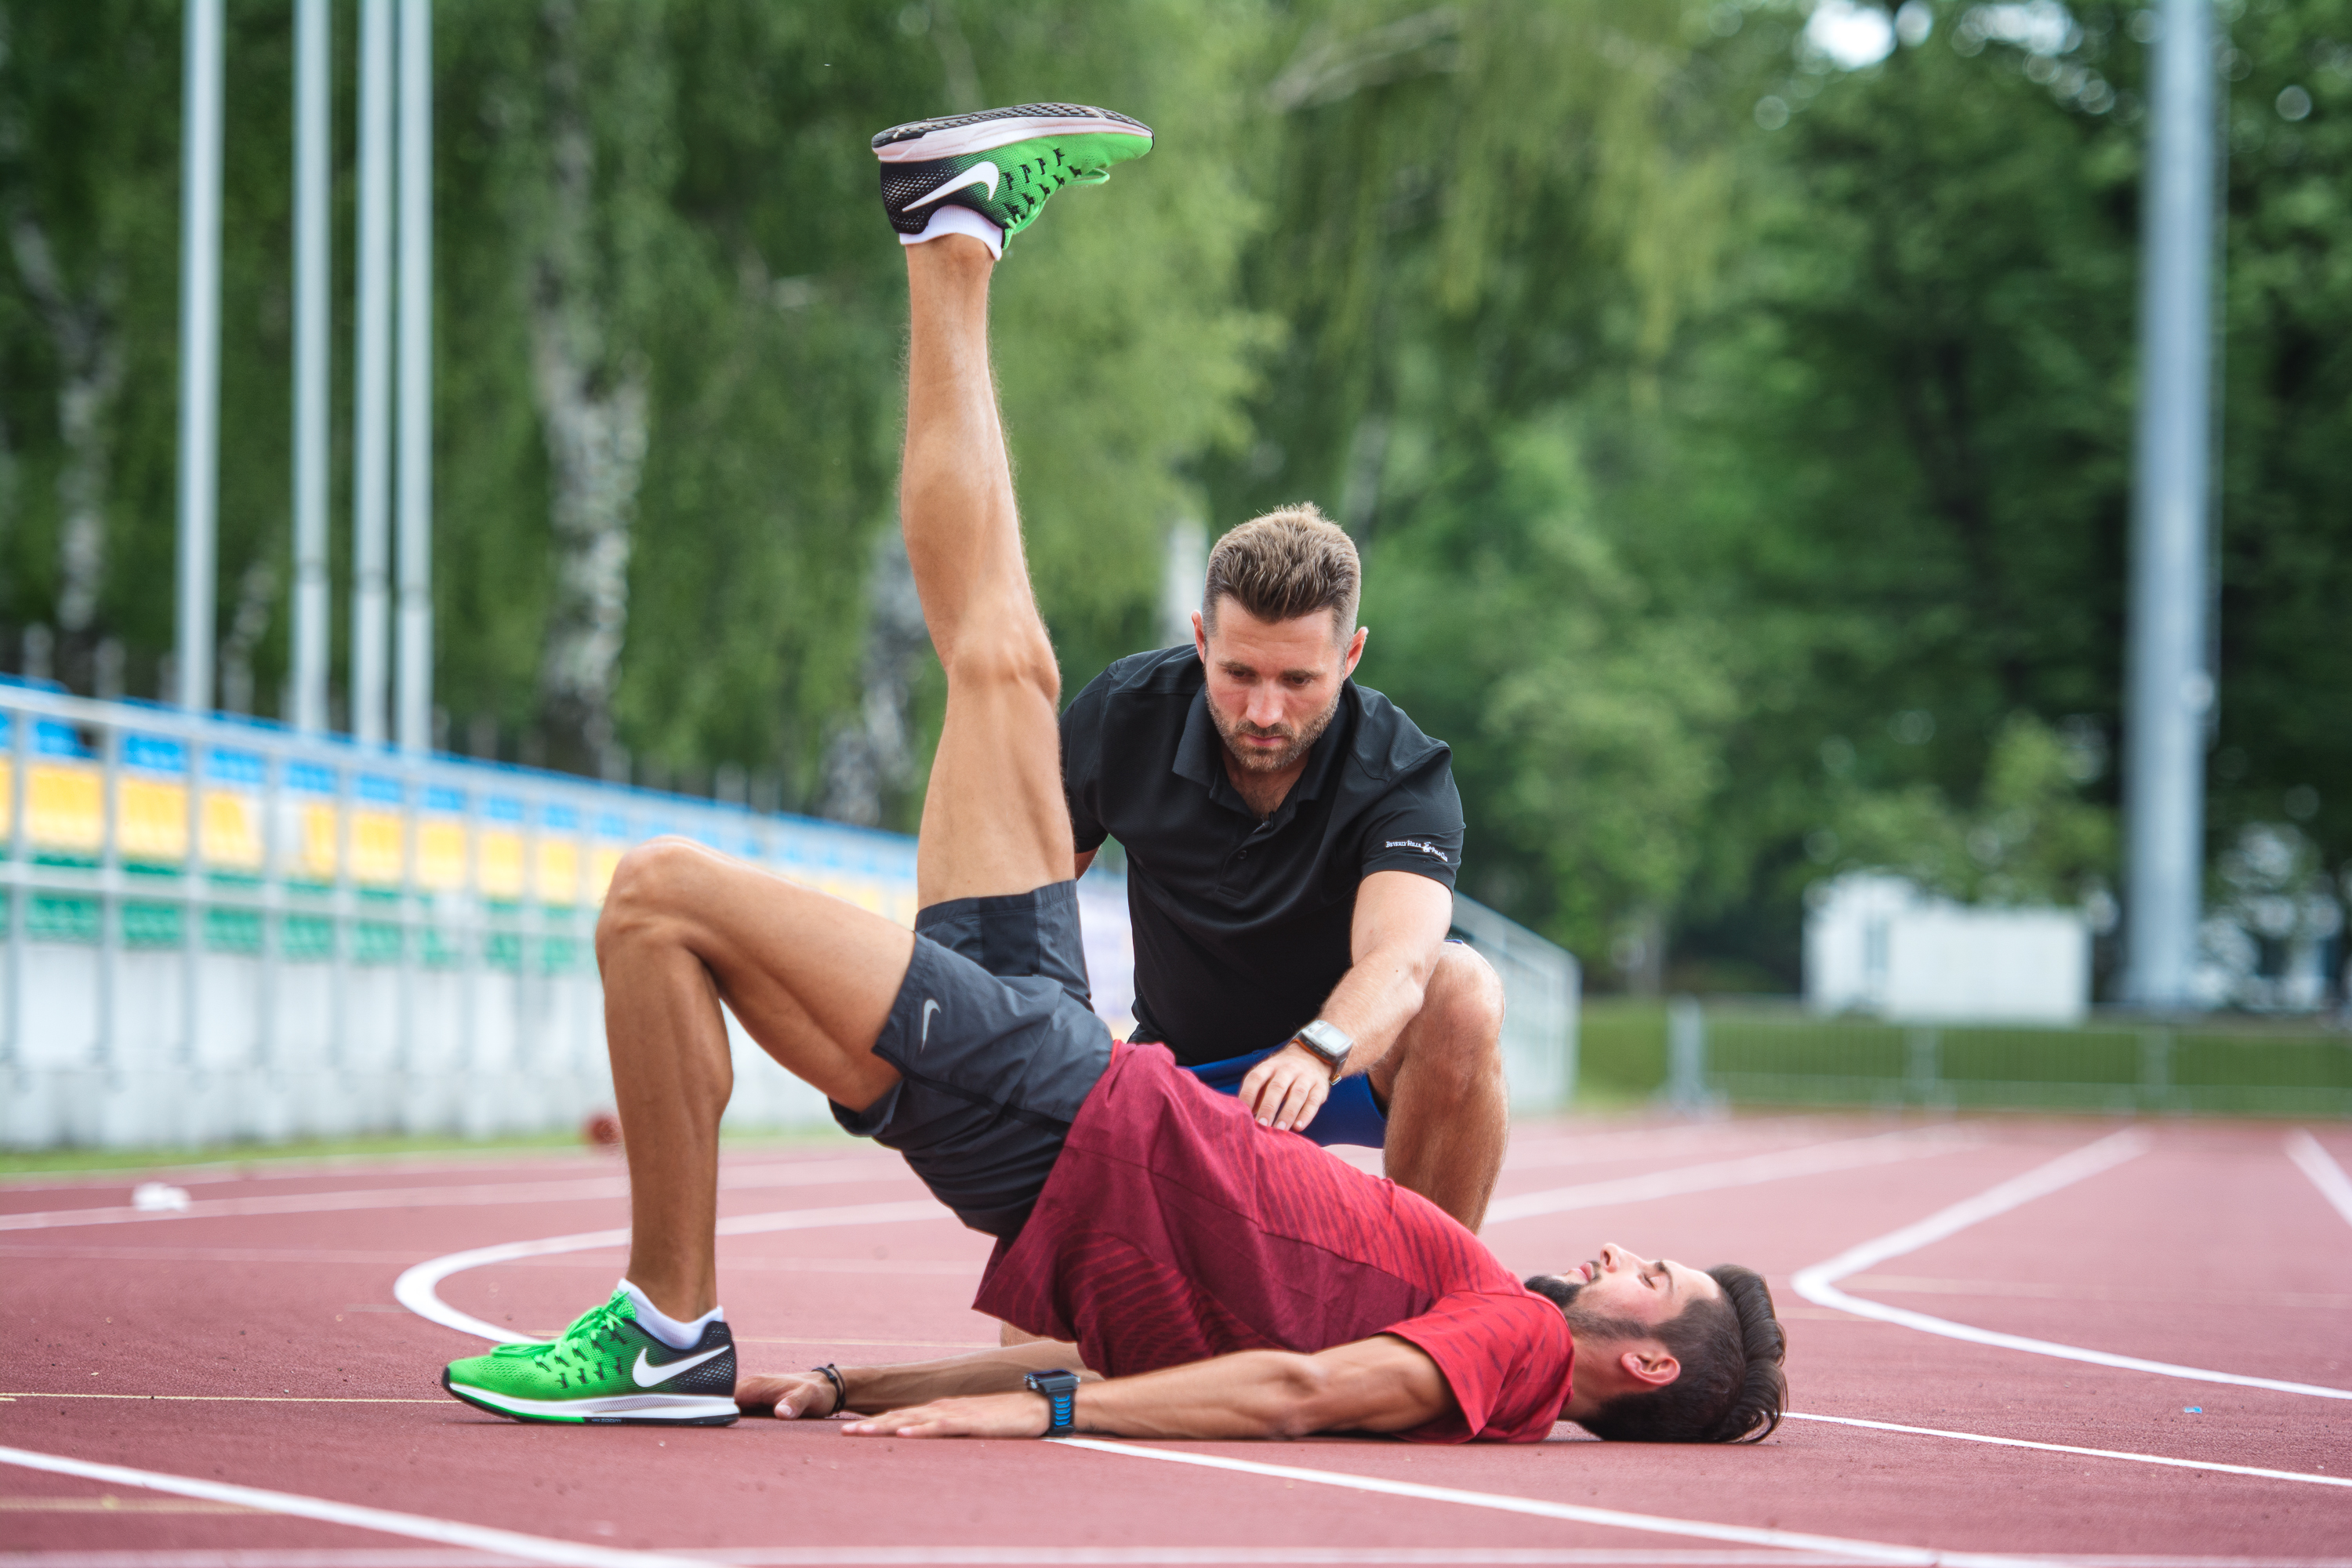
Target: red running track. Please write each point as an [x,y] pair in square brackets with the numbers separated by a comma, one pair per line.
[255,1342]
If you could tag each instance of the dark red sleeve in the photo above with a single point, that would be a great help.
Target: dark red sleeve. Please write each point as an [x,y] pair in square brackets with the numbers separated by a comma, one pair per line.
[1506,1359]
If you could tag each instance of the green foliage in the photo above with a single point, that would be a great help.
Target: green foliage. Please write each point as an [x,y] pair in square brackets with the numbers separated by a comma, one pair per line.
[2030,839]
[1741,503]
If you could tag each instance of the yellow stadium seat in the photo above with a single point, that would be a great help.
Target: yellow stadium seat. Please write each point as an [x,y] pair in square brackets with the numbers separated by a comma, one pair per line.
[66,804]
[559,872]
[232,830]
[378,847]
[499,874]
[321,837]
[441,854]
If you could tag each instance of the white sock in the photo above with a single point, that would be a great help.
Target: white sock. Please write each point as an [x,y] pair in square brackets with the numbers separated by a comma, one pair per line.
[678,1336]
[950,218]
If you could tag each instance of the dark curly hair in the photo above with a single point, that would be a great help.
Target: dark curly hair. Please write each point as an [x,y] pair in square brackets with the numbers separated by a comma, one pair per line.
[1730,1389]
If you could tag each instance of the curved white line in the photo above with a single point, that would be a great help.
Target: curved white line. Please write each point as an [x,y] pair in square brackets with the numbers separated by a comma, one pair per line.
[1818,1284]
[2326,1174]
[417,1287]
[2163,1459]
[416,1526]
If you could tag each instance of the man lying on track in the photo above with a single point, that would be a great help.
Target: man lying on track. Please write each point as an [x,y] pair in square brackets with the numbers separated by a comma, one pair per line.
[1206,1277]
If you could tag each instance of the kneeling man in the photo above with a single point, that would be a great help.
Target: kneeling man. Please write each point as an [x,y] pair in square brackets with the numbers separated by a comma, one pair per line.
[1193,1273]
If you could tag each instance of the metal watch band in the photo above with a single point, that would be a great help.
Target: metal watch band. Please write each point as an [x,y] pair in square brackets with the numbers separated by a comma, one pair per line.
[1328,1042]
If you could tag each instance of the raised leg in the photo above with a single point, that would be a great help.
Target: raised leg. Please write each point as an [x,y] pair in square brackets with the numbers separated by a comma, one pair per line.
[810,978]
[1449,1117]
[993,818]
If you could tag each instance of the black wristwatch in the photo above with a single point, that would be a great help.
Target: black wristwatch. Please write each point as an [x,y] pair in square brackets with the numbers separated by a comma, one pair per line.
[1061,1391]
[1328,1042]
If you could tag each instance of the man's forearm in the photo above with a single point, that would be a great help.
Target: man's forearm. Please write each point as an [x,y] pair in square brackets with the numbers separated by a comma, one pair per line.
[1376,999]
[1252,1394]
[875,1389]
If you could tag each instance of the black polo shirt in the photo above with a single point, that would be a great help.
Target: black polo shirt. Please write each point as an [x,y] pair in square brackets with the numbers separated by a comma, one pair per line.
[1241,926]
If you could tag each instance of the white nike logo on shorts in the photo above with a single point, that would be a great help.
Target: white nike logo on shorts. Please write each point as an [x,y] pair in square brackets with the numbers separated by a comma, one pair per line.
[980,173]
[929,1008]
[647,1375]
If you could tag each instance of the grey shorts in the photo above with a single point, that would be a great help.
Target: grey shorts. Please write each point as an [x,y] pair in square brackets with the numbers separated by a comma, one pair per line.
[997,1047]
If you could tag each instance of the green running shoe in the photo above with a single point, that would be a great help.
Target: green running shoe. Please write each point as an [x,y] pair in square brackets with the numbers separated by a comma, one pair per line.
[1003,164]
[604,1371]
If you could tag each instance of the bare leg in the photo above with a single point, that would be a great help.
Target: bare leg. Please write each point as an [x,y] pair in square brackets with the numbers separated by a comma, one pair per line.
[1449,1117]
[810,978]
[993,818]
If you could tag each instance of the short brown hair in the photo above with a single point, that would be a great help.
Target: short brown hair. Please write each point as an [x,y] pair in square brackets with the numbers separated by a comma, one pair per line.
[1290,563]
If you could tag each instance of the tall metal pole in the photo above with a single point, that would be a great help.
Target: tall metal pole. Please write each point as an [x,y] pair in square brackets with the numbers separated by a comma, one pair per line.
[415,690]
[313,153]
[2171,688]
[372,401]
[200,199]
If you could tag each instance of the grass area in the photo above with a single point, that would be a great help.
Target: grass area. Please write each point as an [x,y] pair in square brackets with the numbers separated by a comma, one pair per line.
[1764,1053]
[1620,1051]
[95,1162]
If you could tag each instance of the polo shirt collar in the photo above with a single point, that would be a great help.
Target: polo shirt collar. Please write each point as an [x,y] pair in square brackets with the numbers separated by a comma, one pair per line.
[1201,757]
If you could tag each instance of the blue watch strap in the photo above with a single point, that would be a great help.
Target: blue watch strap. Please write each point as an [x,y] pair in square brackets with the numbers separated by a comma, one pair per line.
[1060,1388]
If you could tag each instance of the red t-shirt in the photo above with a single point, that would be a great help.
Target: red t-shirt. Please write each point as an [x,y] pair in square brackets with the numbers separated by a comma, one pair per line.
[1175,1229]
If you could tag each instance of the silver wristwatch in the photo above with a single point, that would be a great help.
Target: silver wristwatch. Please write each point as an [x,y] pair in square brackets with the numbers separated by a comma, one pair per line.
[1328,1041]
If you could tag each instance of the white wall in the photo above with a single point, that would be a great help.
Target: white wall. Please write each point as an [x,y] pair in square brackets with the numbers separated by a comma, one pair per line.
[1877,944]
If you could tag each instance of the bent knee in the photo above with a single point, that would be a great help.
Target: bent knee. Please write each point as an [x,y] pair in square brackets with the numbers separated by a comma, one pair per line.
[652,882]
[1465,995]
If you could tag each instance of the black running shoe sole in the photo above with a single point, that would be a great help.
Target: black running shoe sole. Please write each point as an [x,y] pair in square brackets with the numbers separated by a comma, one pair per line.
[954,135]
[461,1394]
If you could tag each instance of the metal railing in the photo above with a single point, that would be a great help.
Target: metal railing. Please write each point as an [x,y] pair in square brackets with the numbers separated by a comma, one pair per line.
[1757,1053]
[220,930]
[208,920]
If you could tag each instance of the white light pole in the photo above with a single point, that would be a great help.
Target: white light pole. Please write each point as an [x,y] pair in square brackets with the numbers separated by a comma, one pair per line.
[200,200]
[414,690]
[2170,688]
[313,155]
[371,399]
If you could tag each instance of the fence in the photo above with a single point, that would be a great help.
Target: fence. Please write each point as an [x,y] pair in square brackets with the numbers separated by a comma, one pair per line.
[218,931]
[1760,1054]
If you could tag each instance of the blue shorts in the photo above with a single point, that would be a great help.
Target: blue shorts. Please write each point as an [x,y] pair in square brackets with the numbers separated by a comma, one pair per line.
[1351,1116]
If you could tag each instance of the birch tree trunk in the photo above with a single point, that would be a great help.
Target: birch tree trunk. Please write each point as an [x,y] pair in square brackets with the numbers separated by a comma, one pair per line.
[88,347]
[591,393]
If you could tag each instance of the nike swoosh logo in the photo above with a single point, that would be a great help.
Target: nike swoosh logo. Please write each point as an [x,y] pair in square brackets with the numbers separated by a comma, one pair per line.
[647,1375]
[929,1010]
[980,173]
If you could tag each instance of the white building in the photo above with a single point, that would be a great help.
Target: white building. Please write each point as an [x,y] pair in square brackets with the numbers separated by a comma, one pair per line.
[1880,943]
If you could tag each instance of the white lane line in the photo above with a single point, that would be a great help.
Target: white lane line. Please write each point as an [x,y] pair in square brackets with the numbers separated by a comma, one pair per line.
[416,1289]
[1812,1159]
[2326,1174]
[2167,1460]
[586,1189]
[1818,1284]
[449,1532]
[1840,1547]
[1084,1556]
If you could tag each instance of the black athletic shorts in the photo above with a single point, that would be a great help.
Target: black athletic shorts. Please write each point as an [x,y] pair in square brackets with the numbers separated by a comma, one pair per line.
[997,1047]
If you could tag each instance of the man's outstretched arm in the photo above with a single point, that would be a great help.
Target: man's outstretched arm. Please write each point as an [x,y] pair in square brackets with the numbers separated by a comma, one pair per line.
[873,1389]
[1380,1385]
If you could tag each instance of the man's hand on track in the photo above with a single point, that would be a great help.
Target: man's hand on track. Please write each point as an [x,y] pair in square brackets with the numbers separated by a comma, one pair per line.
[790,1396]
[1288,1089]
[1023,1414]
